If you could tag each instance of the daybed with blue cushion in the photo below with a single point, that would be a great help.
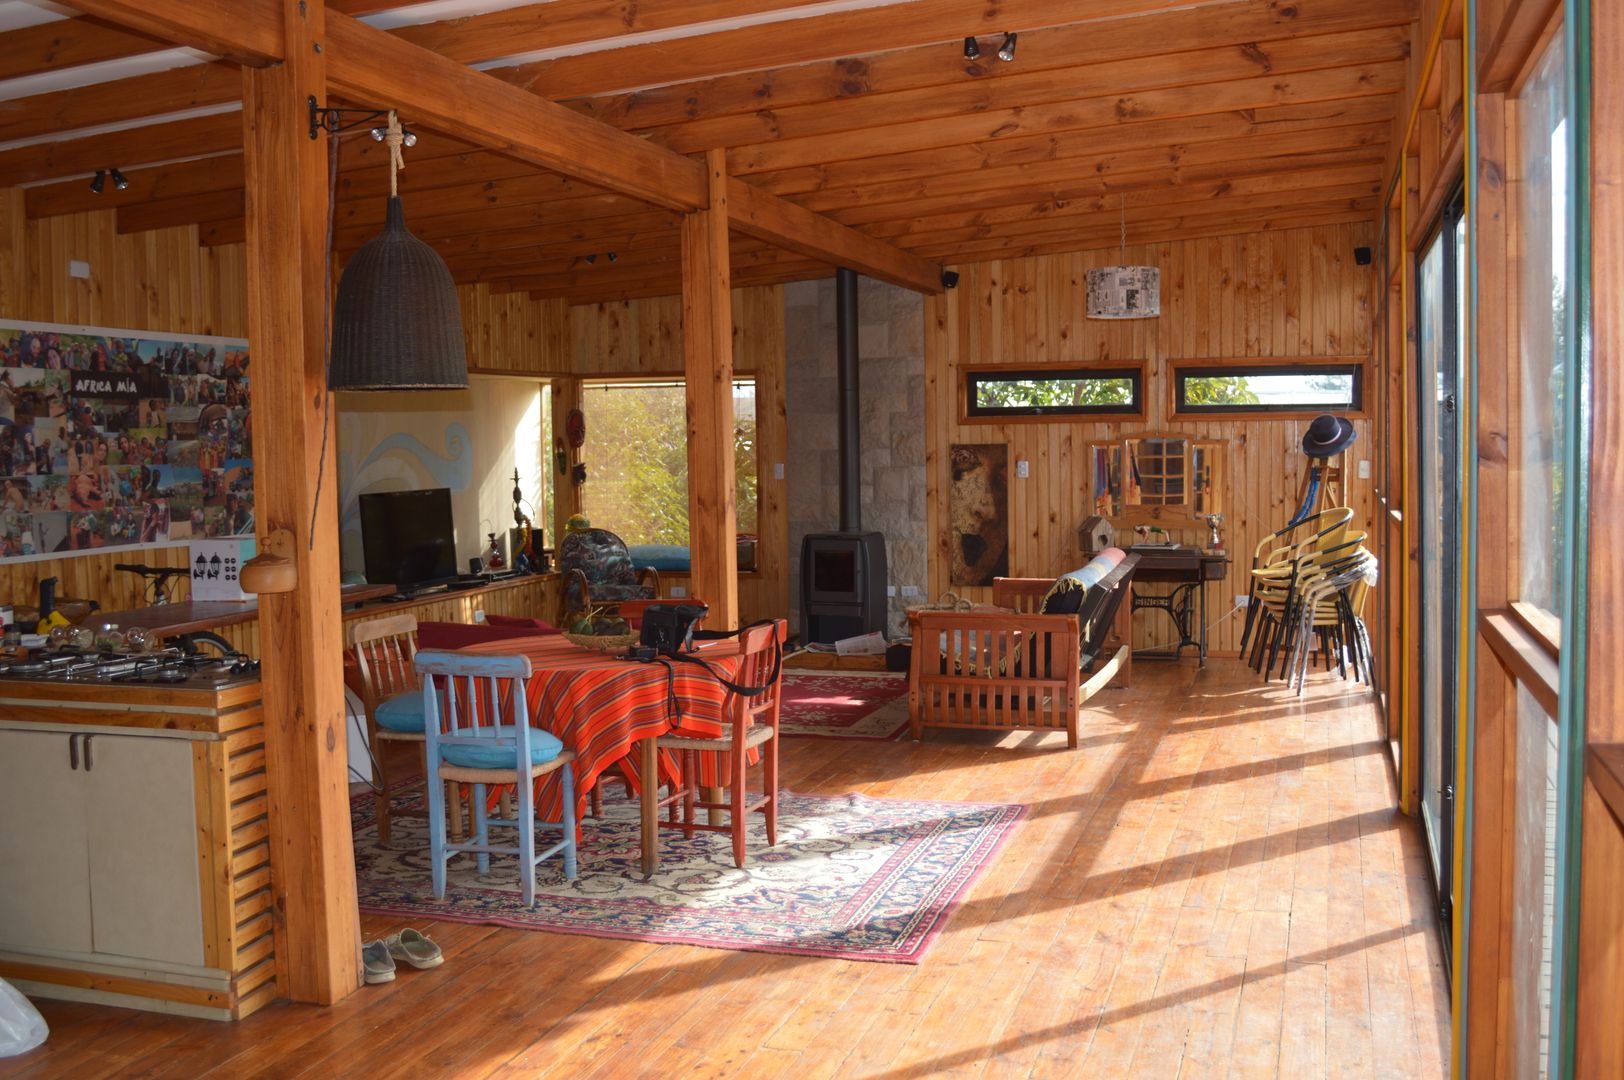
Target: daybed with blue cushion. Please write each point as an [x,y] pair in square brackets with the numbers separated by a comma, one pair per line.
[1022,665]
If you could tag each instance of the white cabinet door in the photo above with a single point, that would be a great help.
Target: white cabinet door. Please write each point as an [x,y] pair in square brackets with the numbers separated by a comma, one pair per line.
[44,873]
[144,888]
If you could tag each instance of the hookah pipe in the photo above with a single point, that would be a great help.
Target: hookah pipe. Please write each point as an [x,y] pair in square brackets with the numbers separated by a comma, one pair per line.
[521,521]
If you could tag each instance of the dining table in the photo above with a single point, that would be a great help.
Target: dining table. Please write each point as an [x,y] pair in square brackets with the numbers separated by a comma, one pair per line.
[610,710]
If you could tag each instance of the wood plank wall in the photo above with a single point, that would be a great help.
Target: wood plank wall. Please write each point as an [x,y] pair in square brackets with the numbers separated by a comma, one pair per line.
[1292,293]
[644,337]
[164,281]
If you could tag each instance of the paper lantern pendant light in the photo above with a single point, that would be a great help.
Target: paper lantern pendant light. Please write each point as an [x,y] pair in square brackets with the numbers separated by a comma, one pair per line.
[397,324]
[1124,292]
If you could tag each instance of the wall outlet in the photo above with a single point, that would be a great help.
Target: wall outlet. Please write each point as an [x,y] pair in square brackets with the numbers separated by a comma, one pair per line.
[1364,469]
[910,590]
[479,615]
[1023,469]
[1242,600]
[778,470]
[78,268]
[890,590]
[678,592]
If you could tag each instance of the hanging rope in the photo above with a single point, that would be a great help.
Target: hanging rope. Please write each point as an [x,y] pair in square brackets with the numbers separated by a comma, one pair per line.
[393,137]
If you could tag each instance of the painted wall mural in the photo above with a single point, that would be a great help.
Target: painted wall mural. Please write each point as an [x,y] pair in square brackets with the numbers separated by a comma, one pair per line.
[121,438]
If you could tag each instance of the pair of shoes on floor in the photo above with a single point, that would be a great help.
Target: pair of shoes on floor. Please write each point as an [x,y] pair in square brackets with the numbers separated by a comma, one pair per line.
[378,957]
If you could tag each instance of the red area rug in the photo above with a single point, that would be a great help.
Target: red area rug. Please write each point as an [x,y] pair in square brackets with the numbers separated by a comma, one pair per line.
[844,704]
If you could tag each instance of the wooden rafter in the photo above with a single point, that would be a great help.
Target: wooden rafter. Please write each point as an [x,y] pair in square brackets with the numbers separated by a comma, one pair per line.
[248,31]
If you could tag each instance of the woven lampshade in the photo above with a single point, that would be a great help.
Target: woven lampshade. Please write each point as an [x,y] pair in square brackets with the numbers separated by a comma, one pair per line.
[396,323]
[1124,292]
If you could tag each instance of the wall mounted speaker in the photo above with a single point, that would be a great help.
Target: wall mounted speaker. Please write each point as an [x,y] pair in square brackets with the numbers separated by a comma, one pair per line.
[1361,255]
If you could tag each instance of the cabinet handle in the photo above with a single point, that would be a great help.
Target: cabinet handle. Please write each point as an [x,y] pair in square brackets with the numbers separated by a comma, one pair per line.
[88,765]
[73,752]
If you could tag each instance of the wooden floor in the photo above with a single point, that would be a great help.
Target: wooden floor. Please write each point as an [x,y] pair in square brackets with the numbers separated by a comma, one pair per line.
[1216,883]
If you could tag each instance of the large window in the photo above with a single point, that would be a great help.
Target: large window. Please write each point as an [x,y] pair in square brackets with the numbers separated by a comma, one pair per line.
[1005,393]
[1233,388]
[636,456]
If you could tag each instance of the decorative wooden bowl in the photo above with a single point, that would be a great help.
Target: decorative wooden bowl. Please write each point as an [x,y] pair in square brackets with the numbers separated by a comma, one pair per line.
[603,642]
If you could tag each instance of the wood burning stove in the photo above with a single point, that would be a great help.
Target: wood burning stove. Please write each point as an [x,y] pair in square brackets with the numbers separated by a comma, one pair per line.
[843,574]
[843,579]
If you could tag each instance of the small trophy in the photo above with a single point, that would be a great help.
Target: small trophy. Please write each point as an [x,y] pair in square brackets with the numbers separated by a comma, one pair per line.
[1215,538]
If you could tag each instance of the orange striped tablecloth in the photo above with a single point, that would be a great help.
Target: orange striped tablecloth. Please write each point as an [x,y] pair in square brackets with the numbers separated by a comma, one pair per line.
[599,707]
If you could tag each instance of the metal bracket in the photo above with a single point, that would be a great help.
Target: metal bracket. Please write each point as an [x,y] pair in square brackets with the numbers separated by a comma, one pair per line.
[335,122]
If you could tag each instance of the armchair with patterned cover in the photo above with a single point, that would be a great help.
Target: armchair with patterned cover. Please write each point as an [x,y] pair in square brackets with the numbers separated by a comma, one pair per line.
[598,573]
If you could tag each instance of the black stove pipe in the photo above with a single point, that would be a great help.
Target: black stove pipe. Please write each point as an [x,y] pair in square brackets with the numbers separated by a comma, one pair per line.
[851,511]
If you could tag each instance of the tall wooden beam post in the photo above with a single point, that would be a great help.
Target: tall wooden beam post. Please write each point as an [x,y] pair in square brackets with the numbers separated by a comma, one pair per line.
[295,481]
[707,361]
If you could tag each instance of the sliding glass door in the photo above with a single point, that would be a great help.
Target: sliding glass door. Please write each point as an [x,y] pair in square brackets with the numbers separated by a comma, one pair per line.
[1440,321]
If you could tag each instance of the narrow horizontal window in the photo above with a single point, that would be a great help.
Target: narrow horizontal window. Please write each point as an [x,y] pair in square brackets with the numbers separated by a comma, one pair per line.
[1052,392]
[1270,388]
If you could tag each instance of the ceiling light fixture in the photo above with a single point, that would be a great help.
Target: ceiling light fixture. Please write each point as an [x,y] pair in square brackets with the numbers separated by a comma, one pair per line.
[1006,51]
[972,49]
[98,181]
[119,183]
[1124,292]
[613,255]
[397,324]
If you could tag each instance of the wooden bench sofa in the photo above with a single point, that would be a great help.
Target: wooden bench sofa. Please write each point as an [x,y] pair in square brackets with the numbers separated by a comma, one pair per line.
[1016,668]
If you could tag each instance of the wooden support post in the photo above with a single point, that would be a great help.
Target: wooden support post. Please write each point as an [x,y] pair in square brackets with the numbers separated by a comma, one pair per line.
[295,485]
[707,357]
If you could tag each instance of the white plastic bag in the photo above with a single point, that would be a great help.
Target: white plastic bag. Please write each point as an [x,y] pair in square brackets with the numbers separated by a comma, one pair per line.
[21,1026]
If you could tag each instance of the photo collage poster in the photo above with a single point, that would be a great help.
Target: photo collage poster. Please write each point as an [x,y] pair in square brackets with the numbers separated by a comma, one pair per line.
[112,438]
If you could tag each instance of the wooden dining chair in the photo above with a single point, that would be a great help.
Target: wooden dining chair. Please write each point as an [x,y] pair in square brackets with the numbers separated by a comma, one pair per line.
[384,649]
[752,724]
[478,732]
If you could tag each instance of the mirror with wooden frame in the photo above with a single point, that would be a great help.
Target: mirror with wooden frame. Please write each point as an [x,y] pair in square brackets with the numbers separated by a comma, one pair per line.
[1156,477]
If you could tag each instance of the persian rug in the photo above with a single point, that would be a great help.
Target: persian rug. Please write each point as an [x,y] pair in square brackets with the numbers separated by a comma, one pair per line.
[852,877]
[844,704]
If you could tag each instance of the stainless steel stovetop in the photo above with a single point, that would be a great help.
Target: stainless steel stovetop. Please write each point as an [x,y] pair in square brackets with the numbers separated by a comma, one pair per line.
[167,668]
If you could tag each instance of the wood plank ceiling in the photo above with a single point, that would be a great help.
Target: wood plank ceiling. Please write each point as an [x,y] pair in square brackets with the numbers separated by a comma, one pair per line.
[1192,117]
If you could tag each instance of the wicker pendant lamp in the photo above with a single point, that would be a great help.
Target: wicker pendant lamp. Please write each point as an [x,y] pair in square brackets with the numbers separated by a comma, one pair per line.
[397,324]
[1124,292]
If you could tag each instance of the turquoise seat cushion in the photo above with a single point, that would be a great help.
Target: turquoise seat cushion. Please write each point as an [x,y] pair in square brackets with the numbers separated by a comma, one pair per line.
[672,557]
[544,746]
[402,714]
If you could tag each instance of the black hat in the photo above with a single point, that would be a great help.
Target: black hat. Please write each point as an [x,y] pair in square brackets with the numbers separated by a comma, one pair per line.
[1328,435]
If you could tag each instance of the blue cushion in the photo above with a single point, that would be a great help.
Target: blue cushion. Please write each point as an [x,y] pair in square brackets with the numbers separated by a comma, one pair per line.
[402,713]
[544,746]
[672,557]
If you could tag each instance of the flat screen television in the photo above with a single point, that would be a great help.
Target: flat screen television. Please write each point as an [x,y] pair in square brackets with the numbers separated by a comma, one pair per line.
[407,538]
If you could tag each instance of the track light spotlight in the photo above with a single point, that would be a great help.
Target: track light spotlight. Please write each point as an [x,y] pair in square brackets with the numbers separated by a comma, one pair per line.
[98,182]
[972,49]
[119,183]
[409,138]
[613,255]
[592,258]
[377,134]
[1006,51]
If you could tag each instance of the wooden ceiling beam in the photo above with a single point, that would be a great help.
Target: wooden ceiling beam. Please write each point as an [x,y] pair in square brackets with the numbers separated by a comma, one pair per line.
[1170,229]
[1234,23]
[1103,111]
[1176,139]
[248,32]
[120,101]
[66,43]
[808,40]
[129,146]
[1112,80]
[473,39]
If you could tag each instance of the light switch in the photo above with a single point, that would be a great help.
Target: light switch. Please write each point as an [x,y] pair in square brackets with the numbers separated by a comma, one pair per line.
[1023,469]
[78,268]
[778,470]
[678,592]
[1364,470]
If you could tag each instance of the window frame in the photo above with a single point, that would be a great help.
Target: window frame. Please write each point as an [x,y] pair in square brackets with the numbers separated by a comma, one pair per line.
[971,374]
[1182,370]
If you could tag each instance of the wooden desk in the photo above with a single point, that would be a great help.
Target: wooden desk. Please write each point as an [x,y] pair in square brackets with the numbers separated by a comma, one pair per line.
[1187,569]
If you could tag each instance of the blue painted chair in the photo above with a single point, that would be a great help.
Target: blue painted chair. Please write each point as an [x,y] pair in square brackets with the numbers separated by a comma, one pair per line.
[477,724]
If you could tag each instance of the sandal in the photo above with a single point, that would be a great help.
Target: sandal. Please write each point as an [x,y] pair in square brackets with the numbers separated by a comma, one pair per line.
[414,948]
[376,963]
